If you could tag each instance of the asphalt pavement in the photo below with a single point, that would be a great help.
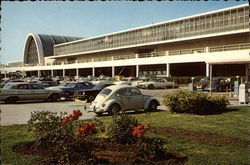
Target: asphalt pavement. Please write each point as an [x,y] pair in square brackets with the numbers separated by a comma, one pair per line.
[20,112]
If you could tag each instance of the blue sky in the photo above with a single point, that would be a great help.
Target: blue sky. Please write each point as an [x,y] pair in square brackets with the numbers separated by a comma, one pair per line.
[87,19]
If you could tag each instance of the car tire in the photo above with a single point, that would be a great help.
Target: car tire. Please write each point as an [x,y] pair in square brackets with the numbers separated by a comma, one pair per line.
[114,109]
[90,98]
[11,100]
[151,86]
[152,106]
[54,97]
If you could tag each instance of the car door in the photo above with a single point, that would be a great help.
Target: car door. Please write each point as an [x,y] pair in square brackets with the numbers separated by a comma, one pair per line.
[24,92]
[121,97]
[38,92]
[135,99]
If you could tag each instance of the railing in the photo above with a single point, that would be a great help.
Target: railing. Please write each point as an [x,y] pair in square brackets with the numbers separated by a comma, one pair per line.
[124,57]
[186,51]
[230,47]
[151,54]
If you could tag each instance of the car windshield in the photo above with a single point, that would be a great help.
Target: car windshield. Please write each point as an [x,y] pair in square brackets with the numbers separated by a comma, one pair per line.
[71,85]
[204,80]
[105,91]
[98,87]
[9,86]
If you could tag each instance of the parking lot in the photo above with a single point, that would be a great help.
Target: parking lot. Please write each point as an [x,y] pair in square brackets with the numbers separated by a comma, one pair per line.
[20,112]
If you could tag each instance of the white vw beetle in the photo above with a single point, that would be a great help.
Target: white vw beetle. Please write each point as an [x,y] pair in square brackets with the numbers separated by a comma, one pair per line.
[116,98]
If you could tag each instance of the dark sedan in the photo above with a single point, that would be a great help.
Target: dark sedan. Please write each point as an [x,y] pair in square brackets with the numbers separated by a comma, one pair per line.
[218,84]
[72,87]
[90,94]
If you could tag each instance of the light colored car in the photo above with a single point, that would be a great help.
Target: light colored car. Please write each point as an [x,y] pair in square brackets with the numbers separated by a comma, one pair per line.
[13,92]
[136,83]
[105,80]
[156,83]
[126,81]
[120,98]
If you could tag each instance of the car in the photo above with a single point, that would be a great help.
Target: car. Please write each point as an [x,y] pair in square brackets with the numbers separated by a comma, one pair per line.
[136,83]
[126,81]
[115,99]
[71,87]
[156,83]
[6,81]
[19,91]
[200,85]
[218,84]
[90,94]
[104,80]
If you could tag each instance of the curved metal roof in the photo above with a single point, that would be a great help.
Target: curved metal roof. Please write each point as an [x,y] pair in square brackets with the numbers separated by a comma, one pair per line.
[44,45]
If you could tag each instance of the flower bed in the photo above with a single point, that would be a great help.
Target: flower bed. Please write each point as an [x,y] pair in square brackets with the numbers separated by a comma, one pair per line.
[73,142]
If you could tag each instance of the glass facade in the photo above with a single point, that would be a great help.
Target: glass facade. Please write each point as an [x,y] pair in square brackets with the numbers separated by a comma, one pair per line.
[32,57]
[217,22]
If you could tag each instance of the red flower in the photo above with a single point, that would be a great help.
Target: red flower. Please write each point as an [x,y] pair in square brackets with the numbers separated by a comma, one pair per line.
[64,121]
[138,131]
[87,129]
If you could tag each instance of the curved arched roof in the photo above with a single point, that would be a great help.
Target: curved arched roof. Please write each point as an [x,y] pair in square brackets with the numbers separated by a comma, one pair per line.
[43,47]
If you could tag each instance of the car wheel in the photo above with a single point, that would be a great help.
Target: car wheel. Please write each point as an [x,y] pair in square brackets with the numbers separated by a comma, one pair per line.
[99,114]
[151,86]
[153,106]
[54,97]
[11,100]
[114,109]
[91,98]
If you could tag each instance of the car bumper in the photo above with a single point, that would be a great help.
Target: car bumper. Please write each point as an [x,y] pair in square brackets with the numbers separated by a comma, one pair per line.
[95,109]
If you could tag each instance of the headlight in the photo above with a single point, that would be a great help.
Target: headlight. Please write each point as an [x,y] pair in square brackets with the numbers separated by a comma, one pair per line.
[103,105]
[83,93]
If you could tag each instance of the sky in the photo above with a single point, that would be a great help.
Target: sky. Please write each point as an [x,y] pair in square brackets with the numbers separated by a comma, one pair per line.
[88,19]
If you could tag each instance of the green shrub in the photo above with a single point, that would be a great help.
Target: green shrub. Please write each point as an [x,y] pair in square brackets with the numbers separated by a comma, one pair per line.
[151,148]
[194,102]
[121,129]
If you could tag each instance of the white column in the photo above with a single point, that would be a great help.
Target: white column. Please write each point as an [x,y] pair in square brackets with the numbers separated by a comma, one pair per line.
[137,70]
[5,74]
[52,73]
[77,72]
[113,71]
[207,70]
[168,70]
[93,72]
[38,73]
[63,72]
[136,55]
[166,53]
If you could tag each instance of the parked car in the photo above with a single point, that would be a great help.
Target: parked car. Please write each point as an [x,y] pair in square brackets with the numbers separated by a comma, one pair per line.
[136,83]
[202,83]
[218,84]
[13,92]
[90,94]
[116,98]
[70,88]
[126,81]
[104,80]
[6,81]
[156,83]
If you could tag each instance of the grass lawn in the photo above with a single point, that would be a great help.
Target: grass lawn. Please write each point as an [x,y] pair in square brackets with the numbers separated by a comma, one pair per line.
[212,139]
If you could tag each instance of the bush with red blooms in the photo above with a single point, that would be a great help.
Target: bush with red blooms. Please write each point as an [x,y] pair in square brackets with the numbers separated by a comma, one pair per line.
[75,116]
[87,129]
[59,132]
[138,131]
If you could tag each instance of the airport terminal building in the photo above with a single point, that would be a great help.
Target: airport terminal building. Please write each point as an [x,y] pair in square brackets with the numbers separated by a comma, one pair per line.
[186,46]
